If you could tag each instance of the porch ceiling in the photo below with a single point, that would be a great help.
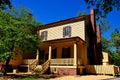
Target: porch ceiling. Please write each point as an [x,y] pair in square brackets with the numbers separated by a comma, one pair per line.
[63,41]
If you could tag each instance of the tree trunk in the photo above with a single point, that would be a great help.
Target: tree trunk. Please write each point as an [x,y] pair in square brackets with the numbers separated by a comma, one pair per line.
[4,70]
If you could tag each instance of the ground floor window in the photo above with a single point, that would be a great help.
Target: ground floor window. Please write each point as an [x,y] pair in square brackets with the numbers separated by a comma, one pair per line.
[54,53]
[66,52]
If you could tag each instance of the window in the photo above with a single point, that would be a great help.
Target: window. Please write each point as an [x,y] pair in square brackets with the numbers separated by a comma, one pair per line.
[67,31]
[44,35]
[66,52]
[54,53]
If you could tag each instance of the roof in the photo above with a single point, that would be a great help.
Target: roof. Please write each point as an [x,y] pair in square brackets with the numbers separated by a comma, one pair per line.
[62,22]
[77,39]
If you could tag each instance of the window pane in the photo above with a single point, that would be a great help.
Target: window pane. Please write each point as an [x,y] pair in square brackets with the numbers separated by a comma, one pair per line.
[44,35]
[66,52]
[67,31]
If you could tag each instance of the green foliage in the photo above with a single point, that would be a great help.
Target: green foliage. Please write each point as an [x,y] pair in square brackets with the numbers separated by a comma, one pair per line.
[115,40]
[105,25]
[16,32]
[82,13]
[5,3]
[116,59]
[105,44]
[103,7]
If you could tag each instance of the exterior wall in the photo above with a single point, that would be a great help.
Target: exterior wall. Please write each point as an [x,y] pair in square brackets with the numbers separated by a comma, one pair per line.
[105,58]
[59,47]
[80,55]
[77,29]
[90,44]
[64,71]
[16,61]
[90,38]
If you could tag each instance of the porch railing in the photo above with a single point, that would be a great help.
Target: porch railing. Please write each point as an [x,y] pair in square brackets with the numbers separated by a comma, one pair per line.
[28,61]
[62,62]
[33,65]
[102,69]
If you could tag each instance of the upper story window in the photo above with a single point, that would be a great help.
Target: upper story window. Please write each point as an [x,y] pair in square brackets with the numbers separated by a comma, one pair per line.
[44,35]
[67,31]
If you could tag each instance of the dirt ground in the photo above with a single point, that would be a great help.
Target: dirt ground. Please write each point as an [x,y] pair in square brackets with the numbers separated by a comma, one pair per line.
[53,77]
[85,77]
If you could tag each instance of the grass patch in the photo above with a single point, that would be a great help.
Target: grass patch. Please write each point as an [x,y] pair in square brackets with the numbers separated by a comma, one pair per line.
[30,78]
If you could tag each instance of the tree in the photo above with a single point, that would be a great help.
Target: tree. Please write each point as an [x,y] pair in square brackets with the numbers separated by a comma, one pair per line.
[105,44]
[16,34]
[115,44]
[81,13]
[105,26]
[103,7]
[115,40]
[5,3]
[116,59]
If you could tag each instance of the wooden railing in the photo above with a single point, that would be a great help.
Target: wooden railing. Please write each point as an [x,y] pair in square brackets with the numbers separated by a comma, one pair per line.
[28,61]
[62,62]
[45,66]
[39,69]
[102,69]
[33,65]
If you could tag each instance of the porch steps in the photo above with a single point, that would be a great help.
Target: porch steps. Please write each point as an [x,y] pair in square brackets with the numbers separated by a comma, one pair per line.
[39,69]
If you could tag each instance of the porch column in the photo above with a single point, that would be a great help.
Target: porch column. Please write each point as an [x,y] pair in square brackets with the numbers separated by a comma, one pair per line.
[37,55]
[75,54]
[50,49]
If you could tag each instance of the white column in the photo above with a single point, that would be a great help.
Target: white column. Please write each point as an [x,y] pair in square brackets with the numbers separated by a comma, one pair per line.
[37,55]
[50,49]
[75,54]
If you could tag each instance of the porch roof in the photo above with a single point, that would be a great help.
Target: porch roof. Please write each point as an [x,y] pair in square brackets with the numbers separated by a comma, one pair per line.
[71,39]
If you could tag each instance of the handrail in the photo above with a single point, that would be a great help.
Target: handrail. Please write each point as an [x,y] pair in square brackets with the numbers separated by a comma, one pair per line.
[45,66]
[39,69]
[33,65]
[65,62]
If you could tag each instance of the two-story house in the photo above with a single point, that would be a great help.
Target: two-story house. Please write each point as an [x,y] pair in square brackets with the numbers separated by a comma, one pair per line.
[67,46]
[70,44]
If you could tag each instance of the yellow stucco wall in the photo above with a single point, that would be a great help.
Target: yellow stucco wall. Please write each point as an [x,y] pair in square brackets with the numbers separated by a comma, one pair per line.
[77,29]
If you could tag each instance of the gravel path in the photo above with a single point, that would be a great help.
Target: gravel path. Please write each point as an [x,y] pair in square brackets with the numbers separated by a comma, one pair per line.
[86,77]
[79,77]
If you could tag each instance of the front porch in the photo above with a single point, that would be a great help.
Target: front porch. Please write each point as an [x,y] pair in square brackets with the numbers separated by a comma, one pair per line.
[59,56]
[64,55]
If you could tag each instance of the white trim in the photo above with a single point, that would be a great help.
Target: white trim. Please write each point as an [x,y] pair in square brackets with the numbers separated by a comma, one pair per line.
[63,66]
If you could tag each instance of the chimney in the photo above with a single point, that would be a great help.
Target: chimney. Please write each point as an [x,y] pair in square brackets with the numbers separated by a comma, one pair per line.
[98,34]
[92,18]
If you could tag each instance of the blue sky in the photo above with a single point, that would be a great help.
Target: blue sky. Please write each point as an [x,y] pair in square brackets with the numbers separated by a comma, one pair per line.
[48,11]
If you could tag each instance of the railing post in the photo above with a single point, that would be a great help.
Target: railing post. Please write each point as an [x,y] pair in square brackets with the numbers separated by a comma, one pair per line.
[50,49]
[37,55]
[75,54]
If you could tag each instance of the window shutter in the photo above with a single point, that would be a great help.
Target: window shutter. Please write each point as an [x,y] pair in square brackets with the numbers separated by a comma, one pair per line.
[64,32]
[46,35]
[69,31]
